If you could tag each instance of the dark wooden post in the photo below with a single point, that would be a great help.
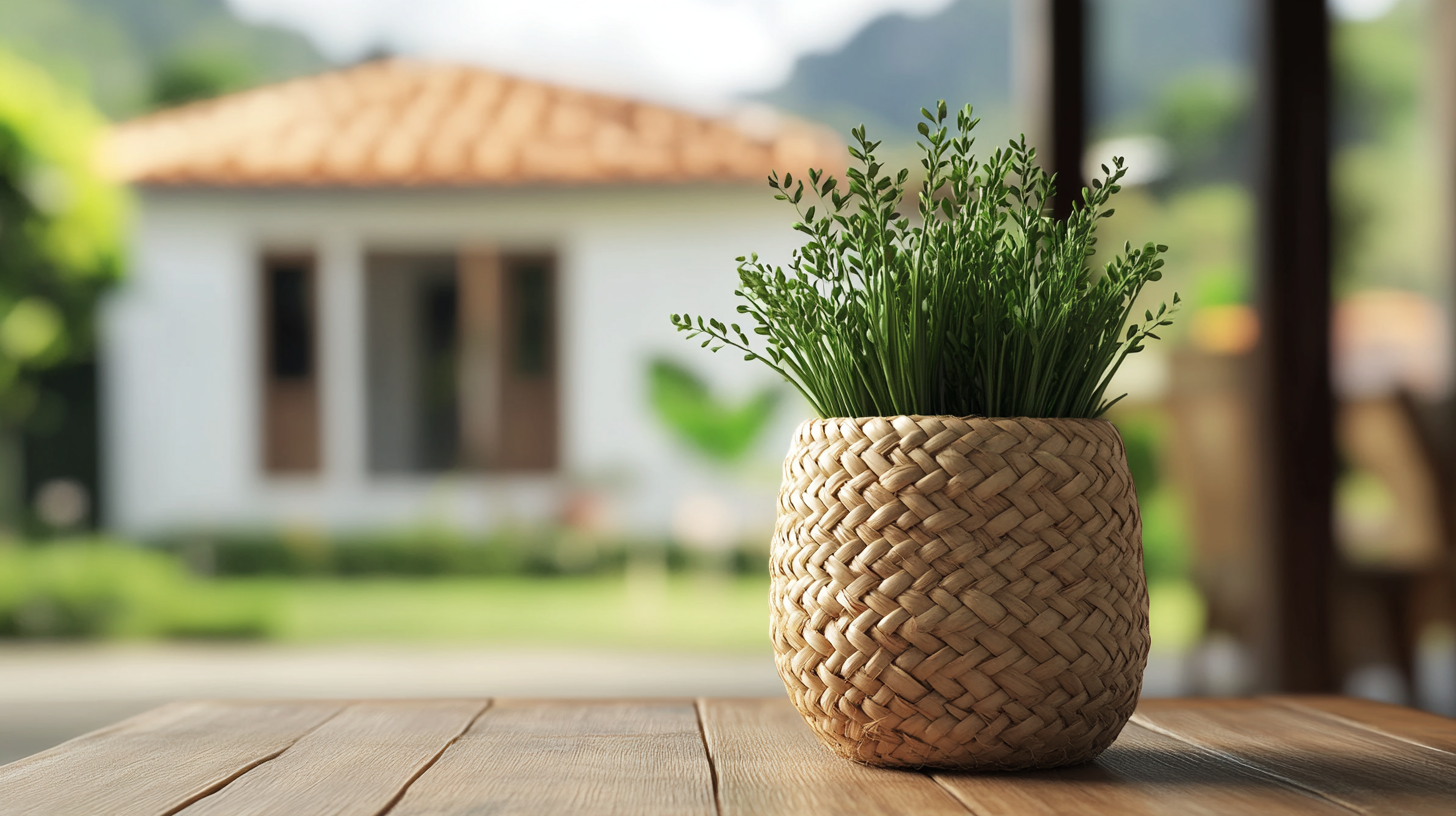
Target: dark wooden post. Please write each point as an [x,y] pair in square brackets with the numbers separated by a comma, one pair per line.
[1051,80]
[1068,35]
[1297,414]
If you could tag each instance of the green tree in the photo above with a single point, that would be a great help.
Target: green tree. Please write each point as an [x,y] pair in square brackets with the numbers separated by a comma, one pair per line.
[60,243]
[191,76]
[1388,218]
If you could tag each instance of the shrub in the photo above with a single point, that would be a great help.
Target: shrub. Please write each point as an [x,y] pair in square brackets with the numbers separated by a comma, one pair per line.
[428,551]
[96,588]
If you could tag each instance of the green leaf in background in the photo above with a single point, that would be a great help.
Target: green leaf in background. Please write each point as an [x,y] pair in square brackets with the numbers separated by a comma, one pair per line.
[689,409]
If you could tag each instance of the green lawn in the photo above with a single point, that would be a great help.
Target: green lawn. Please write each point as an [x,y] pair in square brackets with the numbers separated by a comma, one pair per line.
[677,613]
[99,590]
[673,613]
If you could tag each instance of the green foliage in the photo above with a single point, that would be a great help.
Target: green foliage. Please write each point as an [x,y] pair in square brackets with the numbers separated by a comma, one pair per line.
[429,552]
[718,430]
[1388,217]
[1165,532]
[1205,117]
[235,586]
[1209,229]
[112,50]
[1140,438]
[192,76]
[1165,537]
[72,589]
[1380,67]
[60,230]
[983,305]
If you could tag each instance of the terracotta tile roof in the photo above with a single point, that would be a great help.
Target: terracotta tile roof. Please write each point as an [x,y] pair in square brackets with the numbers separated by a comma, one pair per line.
[404,122]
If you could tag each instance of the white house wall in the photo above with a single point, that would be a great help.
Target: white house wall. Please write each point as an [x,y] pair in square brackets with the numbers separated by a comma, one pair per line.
[181,367]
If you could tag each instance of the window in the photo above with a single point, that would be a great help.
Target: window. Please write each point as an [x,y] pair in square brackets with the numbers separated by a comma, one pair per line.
[462,362]
[290,366]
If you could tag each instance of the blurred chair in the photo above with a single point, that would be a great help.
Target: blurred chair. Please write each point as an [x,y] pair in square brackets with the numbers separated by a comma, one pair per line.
[1397,567]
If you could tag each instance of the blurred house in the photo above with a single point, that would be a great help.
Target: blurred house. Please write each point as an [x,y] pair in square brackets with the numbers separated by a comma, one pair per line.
[410,291]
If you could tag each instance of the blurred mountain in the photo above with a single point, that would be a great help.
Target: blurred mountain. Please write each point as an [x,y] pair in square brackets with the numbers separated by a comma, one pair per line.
[131,56]
[1142,47]
[897,64]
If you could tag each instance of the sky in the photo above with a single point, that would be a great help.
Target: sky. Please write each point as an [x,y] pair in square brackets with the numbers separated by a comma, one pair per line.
[1361,9]
[700,53]
[696,53]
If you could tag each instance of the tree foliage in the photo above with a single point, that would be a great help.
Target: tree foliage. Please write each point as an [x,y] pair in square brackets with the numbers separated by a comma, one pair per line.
[60,230]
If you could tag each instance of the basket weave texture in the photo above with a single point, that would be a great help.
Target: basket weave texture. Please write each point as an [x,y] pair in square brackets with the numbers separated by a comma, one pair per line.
[960,593]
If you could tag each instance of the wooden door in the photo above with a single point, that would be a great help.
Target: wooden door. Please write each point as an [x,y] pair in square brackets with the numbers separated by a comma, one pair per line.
[509,389]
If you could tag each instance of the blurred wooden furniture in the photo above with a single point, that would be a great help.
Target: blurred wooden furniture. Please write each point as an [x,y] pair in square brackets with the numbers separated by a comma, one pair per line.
[1393,578]
[1409,446]
[1267,756]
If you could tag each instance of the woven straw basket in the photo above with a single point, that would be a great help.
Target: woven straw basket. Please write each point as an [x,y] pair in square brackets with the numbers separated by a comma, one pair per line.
[960,593]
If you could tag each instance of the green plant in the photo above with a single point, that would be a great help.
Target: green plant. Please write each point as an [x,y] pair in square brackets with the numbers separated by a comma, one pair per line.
[422,552]
[983,305]
[82,588]
[61,226]
[720,431]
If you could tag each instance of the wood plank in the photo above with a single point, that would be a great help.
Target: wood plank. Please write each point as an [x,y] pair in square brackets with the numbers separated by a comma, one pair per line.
[768,762]
[1404,723]
[1361,769]
[1143,774]
[157,762]
[356,764]
[582,758]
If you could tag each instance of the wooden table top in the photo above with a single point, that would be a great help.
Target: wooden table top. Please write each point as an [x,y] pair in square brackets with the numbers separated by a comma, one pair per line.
[637,757]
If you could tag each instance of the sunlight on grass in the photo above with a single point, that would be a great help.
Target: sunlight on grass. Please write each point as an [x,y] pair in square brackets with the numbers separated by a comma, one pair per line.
[652,612]
[656,612]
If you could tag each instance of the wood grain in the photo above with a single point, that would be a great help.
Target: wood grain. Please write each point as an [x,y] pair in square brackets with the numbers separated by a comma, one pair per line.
[1274,756]
[1404,723]
[356,764]
[157,762]
[1144,773]
[581,758]
[768,762]
[1362,769]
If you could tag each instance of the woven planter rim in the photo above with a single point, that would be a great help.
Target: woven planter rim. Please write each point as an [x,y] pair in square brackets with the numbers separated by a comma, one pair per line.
[961,592]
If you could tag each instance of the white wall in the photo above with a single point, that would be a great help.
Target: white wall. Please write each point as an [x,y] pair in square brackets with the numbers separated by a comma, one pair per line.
[181,370]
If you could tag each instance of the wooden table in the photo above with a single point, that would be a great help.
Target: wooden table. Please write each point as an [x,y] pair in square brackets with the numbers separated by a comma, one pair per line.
[1265,756]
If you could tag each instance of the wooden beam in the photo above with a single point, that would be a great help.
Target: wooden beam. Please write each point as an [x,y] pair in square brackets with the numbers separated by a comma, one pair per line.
[481,308]
[1297,415]
[1051,78]
[1068,100]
